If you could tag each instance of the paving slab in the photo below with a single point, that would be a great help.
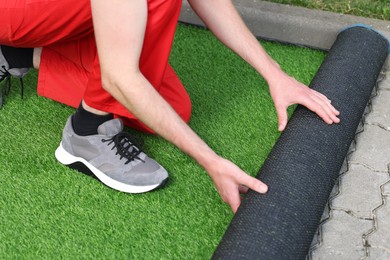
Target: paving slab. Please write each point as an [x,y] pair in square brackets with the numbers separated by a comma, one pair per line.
[290,24]
[386,188]
[342,237]
[360,191]
[378,254]
[385,85]
[380,239]
[372,149]
[380,114]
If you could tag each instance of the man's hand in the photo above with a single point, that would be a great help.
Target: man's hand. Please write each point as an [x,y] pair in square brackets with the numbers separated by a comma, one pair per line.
[231,181]
[286,91]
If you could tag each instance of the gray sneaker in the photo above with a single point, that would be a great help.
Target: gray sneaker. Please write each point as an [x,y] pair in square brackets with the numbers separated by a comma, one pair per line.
[6,73]
[112,156]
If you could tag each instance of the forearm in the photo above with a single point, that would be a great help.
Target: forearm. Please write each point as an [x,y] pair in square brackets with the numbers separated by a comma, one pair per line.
[138,96]
[229,28]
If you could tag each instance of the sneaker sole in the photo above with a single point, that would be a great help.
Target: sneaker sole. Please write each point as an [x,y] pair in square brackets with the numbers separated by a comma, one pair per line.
[85,167]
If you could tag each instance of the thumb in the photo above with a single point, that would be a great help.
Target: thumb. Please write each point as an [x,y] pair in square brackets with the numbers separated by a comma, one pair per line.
[282,117]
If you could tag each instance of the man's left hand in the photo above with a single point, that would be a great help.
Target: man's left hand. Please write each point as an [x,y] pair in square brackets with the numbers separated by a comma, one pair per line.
[286,91]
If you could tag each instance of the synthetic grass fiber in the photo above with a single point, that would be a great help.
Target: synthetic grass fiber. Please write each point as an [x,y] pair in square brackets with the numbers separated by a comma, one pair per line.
[379,9]
[50,211]
[306,160]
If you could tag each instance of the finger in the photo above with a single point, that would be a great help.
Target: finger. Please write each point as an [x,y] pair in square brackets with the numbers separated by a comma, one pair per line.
[327,107]
[334,111]
[322,96]
[253,183]
[327,102]
[316,107]
[282,117]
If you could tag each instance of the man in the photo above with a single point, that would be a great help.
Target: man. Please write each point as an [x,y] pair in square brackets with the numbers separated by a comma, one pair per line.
[130,79]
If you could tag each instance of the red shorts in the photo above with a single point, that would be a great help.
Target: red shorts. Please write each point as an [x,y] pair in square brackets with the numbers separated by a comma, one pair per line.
[70,71]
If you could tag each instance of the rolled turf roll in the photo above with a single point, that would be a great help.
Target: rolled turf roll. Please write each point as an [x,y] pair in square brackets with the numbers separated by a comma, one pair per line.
[305,162]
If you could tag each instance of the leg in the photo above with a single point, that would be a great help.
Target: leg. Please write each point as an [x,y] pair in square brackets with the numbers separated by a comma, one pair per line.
[65,68]
[65,61]
[26,26]
[102,153]
[32,27]
[37,57]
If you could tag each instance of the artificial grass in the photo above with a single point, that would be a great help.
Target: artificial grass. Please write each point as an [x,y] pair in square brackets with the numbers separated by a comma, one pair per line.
[50,211]
[379,9]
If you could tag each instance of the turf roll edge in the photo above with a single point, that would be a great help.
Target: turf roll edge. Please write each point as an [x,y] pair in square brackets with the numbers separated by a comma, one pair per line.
[305,162]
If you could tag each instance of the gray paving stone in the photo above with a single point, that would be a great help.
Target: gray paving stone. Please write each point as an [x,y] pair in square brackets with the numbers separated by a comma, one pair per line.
[379,254]
[380,113]
[359,191]
[372,149]
[385,84]
[380,239]
[386,189]
[342,237]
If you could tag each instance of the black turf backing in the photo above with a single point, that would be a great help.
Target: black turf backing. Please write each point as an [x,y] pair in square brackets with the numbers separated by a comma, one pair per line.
[306,160]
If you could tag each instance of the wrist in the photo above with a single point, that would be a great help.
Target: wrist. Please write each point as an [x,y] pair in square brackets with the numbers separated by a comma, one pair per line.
[272,72]
[209,161]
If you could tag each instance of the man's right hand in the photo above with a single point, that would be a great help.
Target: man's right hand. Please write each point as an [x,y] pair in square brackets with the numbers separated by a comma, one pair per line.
[231,182]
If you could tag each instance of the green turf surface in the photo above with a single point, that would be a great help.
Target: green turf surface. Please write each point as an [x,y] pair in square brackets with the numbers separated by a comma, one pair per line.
[378,9]
[50,211]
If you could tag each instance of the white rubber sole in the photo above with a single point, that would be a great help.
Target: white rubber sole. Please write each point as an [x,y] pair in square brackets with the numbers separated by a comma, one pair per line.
[67,159]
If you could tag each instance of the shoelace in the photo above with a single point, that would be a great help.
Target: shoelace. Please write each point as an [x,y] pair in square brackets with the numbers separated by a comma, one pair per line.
[7,84]
[127,146]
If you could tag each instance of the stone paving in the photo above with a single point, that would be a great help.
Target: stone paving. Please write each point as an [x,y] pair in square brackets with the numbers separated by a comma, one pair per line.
[356,224]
